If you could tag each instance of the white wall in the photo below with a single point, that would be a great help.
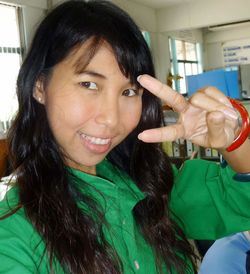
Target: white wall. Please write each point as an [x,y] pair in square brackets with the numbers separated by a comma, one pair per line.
[182,21]
[56,2]
[145,18]
[32,13]
[41,4]
[160,30]
[214,40]
[31,18]
[165,22]
[202,13]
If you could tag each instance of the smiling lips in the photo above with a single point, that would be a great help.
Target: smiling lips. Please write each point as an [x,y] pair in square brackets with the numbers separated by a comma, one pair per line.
[94,144]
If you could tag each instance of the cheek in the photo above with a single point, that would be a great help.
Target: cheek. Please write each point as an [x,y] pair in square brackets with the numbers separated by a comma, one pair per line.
[70,113]
[133,115]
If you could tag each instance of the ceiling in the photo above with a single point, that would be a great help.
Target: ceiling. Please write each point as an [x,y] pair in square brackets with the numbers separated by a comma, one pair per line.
[157,4]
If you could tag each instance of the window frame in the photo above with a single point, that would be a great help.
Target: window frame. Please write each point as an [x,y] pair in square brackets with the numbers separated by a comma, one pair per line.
[175,62]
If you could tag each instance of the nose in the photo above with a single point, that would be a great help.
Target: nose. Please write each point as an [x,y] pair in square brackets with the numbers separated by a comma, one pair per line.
[108,112]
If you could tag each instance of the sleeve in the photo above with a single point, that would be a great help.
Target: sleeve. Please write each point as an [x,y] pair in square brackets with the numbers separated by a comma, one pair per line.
[22,250]
[14,257]
[207,202]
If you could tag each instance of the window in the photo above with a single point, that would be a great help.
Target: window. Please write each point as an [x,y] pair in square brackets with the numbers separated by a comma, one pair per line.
[185,60]
[146,36]
[10,58]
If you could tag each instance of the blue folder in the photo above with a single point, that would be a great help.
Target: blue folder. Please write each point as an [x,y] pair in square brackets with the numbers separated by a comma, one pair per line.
[225,81]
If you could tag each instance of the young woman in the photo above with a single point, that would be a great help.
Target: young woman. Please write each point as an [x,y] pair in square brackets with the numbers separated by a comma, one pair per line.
[94,192]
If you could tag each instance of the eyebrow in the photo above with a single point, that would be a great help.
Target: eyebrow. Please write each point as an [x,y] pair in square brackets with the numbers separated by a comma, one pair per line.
[93,73]
[98,75]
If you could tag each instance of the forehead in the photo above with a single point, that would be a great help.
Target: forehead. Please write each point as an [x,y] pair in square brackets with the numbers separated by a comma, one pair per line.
[81,56]
[98,53]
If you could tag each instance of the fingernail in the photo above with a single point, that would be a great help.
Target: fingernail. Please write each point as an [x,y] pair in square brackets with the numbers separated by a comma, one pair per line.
[139,136]
[138,78]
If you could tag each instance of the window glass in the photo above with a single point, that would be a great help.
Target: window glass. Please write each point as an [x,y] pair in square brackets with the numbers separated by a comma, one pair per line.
[181,68]
[190,51]
[179,50]
[170,49]
[182,84]
[146,36]
[184,61]
[9,34]
[194,69]
[188,69]
[10,59]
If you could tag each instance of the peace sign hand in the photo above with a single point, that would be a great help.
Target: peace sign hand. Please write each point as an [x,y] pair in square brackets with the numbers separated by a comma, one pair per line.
[207,118]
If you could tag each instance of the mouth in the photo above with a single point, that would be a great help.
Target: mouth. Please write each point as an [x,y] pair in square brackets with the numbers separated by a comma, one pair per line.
[95,140]
[95,145]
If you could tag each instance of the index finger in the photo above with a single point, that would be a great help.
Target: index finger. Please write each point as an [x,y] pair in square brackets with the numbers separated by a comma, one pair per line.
[164,92]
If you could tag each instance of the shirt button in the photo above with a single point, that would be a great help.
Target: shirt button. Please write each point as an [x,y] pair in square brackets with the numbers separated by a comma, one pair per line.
[124,222]
[137,266]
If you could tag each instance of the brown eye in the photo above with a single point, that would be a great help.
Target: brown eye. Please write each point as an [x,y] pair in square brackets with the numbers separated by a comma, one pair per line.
[130,92]
[89,85]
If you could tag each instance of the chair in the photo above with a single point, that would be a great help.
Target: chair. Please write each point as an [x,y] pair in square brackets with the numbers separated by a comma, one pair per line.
[3,157]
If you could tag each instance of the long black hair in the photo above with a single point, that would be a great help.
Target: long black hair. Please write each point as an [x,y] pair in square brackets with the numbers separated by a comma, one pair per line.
[71,236]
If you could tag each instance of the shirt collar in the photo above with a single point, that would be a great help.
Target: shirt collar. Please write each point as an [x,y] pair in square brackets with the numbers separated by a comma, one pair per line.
[108,173]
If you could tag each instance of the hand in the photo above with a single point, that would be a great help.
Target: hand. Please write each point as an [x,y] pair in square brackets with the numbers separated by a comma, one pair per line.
[207,118]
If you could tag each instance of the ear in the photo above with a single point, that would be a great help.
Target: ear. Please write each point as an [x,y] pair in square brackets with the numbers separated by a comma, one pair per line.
[39,93]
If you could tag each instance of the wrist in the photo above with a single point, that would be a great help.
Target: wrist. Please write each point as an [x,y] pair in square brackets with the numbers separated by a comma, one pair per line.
[243,132]
[240,177]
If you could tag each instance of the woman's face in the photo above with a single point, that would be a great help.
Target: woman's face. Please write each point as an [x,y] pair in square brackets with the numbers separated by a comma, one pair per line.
[90,112]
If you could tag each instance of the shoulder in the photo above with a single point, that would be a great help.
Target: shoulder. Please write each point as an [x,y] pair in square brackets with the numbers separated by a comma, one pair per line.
[21,247]
[194,173]
[204,170]
[197,165]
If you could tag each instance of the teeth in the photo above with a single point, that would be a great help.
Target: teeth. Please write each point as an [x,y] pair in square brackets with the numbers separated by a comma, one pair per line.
[96,141]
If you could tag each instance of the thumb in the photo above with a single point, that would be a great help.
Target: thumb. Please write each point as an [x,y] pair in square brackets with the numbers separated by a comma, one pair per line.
[168,133]
[218,136]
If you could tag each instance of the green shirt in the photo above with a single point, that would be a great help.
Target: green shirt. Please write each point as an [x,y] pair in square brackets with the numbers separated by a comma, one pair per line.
[205,200]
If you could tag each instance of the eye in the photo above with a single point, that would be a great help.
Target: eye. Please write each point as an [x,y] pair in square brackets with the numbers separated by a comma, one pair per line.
[89,85]
[130,92]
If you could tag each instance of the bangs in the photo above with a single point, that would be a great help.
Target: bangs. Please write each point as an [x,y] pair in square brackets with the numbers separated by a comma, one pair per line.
[128,59]
[129,65]
[95,23]
[132,55]
[94,43]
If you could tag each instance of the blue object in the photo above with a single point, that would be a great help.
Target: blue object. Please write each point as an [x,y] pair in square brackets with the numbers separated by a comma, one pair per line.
[232,83]
[225,81]
[248,262]
[240,177]
[227,256]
